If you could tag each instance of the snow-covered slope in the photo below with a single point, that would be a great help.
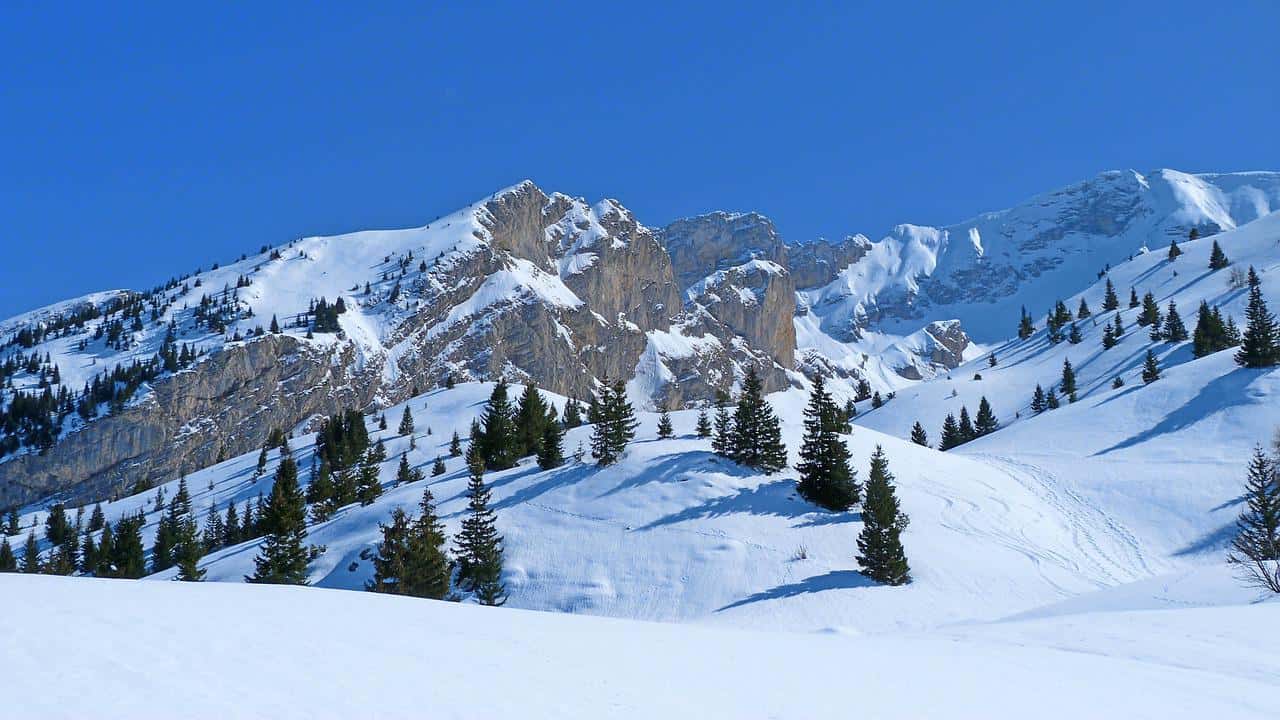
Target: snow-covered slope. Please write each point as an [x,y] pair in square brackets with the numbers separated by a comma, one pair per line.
[225,651]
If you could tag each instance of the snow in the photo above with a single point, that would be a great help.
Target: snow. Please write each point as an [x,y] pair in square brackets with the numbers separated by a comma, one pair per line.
[232,651]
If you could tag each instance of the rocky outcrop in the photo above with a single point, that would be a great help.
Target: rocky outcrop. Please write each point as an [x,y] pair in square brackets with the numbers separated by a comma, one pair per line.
[817,262]
[701,245]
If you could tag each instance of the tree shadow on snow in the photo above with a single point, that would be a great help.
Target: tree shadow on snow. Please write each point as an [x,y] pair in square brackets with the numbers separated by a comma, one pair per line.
[679,468]
[1214,542]
[1223,392]
[834,580]
[771,498]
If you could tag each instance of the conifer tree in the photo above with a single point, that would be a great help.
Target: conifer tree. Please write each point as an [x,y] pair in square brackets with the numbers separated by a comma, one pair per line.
[321,491]
[1256,546]
[391,559]
[1038,401]
[615,426]
[551,451]
[1174,330]
[757,435]
[404,473]
[1051,400]
[1133,298]
[1108,339]
[1117,382]
[275,325]
[214,531]
[722,440]
[128,559]
[826,479]
[530,421]
[438,467]
[918,435]
[1217,258]
[96,519]
[31,554]
[56,527]
[410,559]
[1084,311]
[187,548]
[498,442]
[1110,301]
[1174,250]
[991,360]
[880,552]
[572,414]
[664,422]
[231,525]
[966,431]
[985,422]
[703,427]
[455,445]
[262,462]
[1074,337]
[369,487]
[284,557]
[1150,368]
[1025,327]
[950,433]
[12,526]
[1150,314]
[876,400]
[479,546]
[8,561]
[1118,332]
[1260,344]
[406,422]
[1068,384]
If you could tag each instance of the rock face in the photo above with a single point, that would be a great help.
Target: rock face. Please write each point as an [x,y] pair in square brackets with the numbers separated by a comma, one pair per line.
[818,262]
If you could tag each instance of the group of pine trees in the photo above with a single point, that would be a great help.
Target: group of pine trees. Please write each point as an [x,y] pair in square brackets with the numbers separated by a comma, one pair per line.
[410,559]
[506,433]
[751,435]
[956,432]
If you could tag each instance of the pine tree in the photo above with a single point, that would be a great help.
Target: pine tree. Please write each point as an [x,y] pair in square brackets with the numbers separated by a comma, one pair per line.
[1257,542]
[214,530]
[479,546]
[31,554]
[722,440]
[284,557]
[551,451]
[1074,337]
[1117,382]
[1084,311]
[438,467]
[664,423]
[1133,298]
[56,527]
[498,442]
[985,422]
[615,426]
[951,436]
[1150,314]
[406,422]
[876,400]
[1108,338]
[391,559]
[369,482]
[918,435]
[703,427]
[12,526]
[1051,400]
[1038,401]
[966,431]
[1150,368]
[262,462]
[1110,301]
[991,360]
[455,445]
[1068,384]
[1118,332]
[187,547]
[756,441]
[1174,250]
[1260,345]
[1157,333]
[826,479]
[275,325]
[1174,330]
[231,525]
[572,414]
[410,559]
[1025,327]
[880,552]
[1217,258]
[530,421]
[96,519]
[128,558]
[1210,334]
[404,473]
[8,561]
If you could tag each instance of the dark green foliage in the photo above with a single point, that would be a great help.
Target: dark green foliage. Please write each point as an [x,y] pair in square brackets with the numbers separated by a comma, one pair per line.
[404,473]
[1117,382]
[214,530]
[31,554]
[918,435]
[572,416]
[1174,330]
[1150,314]
[756,440]
[615,426]
[1038,403]
[1109,300]
[231,525]
[551,450]
[722,439]
[455,445]
[127,555]
[406,422]
[343,440]
[1133,298]
[1073,336]
[985,422]
[479,546]
[951,436]
[410,560]
[1217,258]
[326,316]
[12,525]
[1083,311]
[1211,334]
[826,479]
[1258,527]
[876,400]
[322,492]
[1068,384]
[498,442]
[56,527]
[1260,345]
[96,519]
[1025,327]
[369,481]
[966,431]
[1108,338]
[283,558]
[664,423]
[8,561]
[880,552]
[1051,400]
[703,428]
[531,419]
[438,468]
[1174,250]
[991,360]
[262,462]
[1150,368]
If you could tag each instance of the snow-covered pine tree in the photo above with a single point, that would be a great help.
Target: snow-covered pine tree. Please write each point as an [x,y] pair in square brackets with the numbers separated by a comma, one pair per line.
[284,557]
[880,552]
[479,546]
[757,435]
[918,435]
[826,479]
[665,429]
[1260,344]
[1150,368]
[1256,547]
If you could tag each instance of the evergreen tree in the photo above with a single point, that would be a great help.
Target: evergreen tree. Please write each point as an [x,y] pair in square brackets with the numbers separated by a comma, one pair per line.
[31,554]
[703,427]
[722,440]
[1150,314]
[369,482]
[1150,368]
[128,558]
[572,414]
[214,531]
[431,567]
[757,435]
[409,560]
[12,525]
[382,421]
[404,473]
[1084,311]
[322,492]
[1038,401]
[56,527]
[1257,542]
[1108,338]
[479,546]
[876,400]
[951,436]
[985,422]
[531,420]
[1174,250]
[406,422]
[1051,400]
[284,557]
[231,525]
[918,435]
[455,445]
[1068,384]
[551,450]
[880,552]
[826,479]
[262,462]
[1133,298]
[967,432]
[615,426]
[1174,330]
[275,325]
[499,443]
[1110,301]
[991,360]
[438,467]
[664,423]
[1025,327]
[1217,259]
[187,549]
[1260,345]
[1118,332]
[96,520]
[1117,382]
[1210,334]
[8,561]
[1074,337]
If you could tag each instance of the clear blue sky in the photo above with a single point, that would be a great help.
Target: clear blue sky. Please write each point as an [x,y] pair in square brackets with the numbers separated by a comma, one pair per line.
[139,143]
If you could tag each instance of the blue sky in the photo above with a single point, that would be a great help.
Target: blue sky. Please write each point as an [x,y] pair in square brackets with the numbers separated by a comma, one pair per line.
[138,142]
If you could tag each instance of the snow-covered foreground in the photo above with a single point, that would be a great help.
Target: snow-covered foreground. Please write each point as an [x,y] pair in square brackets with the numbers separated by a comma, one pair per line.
[79,648]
